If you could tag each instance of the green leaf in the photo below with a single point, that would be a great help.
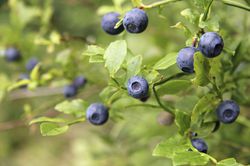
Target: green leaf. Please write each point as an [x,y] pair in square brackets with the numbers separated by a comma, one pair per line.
[236,4]
[183,27]
[115,55]
[93,50]
[47,119]
[166,62]
[63,57]
[107,93]
[201,68]
[171,146]
[75,107]
[211,24]
[134,66]
[105,9]
[182,120]
[205,104]
[208,8]
[228,162]
[52,129]
[216,72]
[201,3]
[173,87]
[190,158]
[118,3]
[34,75]
[96,59]
[18,84]
[190,15]
[23,14]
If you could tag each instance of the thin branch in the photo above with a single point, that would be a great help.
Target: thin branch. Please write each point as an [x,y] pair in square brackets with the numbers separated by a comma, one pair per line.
[157,4]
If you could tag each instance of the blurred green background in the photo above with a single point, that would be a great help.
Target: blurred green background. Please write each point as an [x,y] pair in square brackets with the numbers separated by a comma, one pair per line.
[127,142]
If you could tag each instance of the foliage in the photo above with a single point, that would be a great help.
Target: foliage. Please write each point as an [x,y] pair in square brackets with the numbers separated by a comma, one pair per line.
[108,63]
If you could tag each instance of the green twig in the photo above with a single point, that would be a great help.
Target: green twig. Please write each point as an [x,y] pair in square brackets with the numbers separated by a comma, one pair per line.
[156,4]
[205,16]
[166,108]
[143,105]
[76,121]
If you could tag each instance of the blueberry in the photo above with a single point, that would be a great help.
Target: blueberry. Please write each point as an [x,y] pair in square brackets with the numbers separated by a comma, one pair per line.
[31,64]
[79,81]
[135,21]
[109,21]
[97,114]
[185,59]
[12,54]
[228,111]
[137,87]
[199,144]
[211,44]
[70,91]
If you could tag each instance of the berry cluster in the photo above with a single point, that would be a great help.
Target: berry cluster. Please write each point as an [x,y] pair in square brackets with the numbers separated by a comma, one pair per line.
[210,45]
[227,112]
[71,90]
[134,21]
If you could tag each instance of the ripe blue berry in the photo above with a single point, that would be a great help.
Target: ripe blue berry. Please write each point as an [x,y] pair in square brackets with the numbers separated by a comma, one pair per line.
[97,114]
[79,81]
[199,144]
[228,111]
[12,54]
[31,64]
[185,59]
[137,87]
[70,91]
[109,21]
[211,44]
[135,21]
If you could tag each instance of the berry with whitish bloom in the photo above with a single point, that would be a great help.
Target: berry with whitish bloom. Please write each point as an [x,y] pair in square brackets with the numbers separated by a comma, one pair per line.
[69,91]
[79,81]
[97,114]
[185,59]
[12,54]
[199,144]
[109,21]
[137,87]
[135,21]
[228,111]
[211,44]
